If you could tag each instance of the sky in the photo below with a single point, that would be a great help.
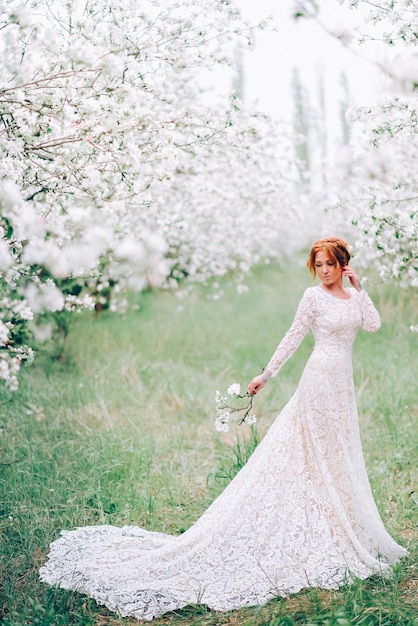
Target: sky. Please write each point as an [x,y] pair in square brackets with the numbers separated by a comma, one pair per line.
[307,46]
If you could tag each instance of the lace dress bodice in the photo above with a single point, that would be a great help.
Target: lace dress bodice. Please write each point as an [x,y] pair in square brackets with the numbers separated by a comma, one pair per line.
[299,514]
[334,322]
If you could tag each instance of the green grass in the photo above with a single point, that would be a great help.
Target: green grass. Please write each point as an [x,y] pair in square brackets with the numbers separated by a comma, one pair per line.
[122,432]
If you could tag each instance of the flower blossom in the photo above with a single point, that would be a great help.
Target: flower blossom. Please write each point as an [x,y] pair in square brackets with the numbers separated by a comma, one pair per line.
[4,334]
[234,389]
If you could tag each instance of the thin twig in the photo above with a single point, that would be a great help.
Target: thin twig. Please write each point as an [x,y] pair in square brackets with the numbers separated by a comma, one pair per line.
[9,463]
[247,408]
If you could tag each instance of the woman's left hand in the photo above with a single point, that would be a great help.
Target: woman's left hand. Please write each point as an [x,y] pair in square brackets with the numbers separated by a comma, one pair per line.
[256,385]
[352,276]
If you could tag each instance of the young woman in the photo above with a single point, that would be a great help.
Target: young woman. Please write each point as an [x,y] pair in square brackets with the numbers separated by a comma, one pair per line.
[299,514]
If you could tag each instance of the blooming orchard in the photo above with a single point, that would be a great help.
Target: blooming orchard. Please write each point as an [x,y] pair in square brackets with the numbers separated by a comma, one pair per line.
[384,206]
[381,188]
[120,167]
[378,186]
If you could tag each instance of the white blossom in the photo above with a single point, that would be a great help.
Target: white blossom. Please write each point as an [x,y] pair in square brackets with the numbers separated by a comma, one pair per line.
[22,310]
[4,333]
[234,389]
[10,197]
[222,423]
[404,71]
[45,297]
[5,256]
[75,303]
[22,16]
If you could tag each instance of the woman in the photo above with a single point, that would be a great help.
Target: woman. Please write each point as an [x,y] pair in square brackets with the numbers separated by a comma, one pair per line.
[299,514]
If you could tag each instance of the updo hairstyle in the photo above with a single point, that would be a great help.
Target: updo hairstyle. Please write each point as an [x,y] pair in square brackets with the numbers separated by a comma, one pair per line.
[336,248]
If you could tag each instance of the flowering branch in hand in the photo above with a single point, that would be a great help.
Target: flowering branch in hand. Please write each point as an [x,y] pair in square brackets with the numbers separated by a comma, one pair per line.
[224,408]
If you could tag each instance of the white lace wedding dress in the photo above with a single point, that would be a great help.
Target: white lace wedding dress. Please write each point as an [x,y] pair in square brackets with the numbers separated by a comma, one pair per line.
[299,514]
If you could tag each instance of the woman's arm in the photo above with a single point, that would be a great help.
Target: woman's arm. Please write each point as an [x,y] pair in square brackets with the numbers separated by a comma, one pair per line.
[304,317]
[371,318]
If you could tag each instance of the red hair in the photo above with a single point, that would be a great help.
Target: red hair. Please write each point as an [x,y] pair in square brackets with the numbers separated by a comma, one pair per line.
[336,248]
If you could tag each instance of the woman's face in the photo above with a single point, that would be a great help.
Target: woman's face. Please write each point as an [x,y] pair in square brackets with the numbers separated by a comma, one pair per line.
[329,271]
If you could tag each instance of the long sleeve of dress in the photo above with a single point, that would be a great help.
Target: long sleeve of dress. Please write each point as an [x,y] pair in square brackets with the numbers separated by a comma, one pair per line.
[304,317]
[371,318]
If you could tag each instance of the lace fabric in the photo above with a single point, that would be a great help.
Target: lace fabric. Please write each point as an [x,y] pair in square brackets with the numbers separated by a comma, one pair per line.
[308,310]
[299,514]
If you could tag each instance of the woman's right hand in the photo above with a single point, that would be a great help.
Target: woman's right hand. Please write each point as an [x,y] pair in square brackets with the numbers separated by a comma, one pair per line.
[256,385]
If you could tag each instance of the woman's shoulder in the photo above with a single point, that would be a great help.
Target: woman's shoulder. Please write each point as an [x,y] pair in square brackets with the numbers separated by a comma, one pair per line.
[354,293]
[310,293]
[310,296]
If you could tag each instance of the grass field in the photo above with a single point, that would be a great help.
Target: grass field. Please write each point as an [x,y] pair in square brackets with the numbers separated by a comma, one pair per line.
[122,431]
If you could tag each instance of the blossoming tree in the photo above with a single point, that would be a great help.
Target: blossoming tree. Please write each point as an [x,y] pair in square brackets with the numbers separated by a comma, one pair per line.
[380,184]
[120,167]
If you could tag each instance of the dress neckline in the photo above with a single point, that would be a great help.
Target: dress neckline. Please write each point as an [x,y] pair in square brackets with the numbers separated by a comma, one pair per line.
[336,297]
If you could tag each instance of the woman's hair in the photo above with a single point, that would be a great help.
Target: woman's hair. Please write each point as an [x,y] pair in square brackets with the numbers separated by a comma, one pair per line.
[337,250]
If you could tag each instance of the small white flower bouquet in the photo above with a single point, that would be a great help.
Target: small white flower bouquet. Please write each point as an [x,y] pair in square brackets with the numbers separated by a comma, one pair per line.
[224,408]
